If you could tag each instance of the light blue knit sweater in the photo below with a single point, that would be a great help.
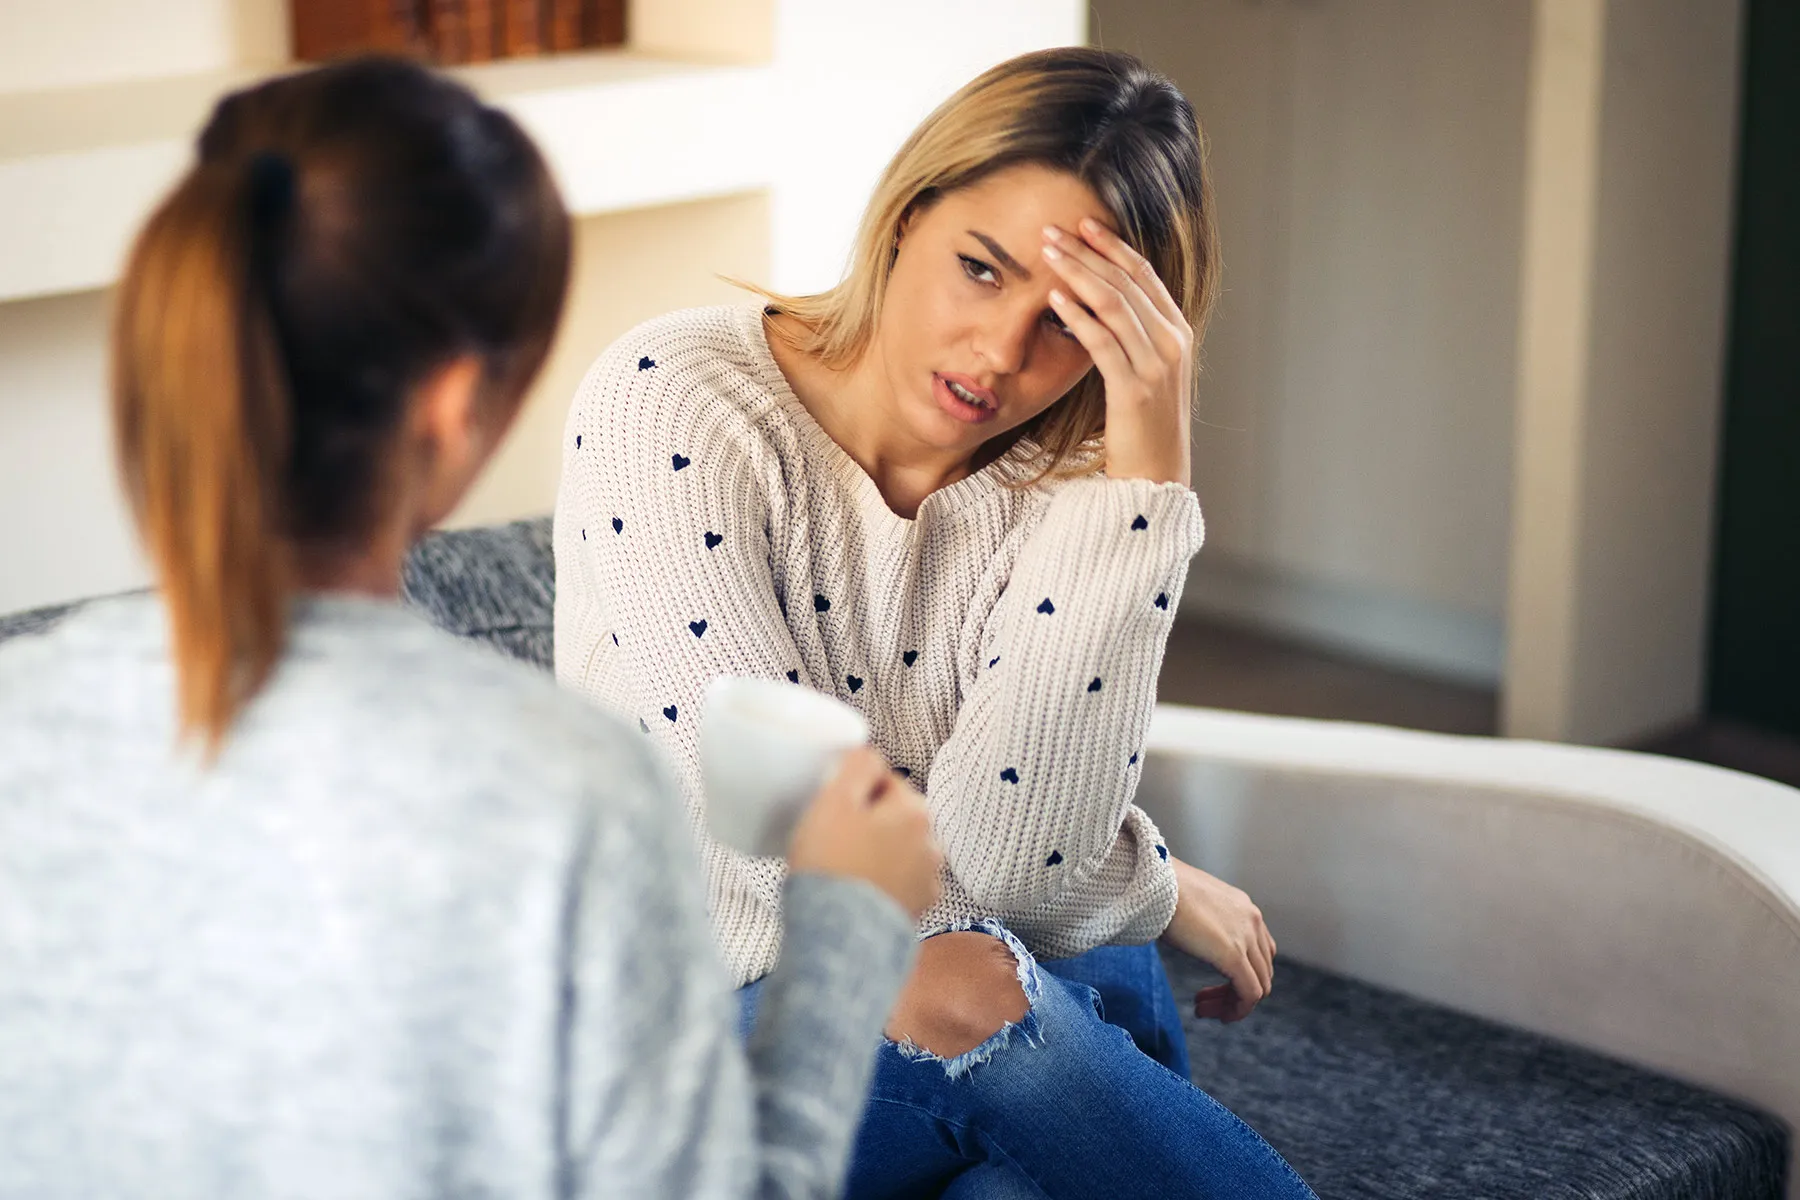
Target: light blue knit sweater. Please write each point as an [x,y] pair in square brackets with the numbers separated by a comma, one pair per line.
[429,927]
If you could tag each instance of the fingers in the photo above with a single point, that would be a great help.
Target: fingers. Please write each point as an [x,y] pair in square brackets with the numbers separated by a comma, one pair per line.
[1130,275]
[1105,291]
[1215,1003]
[1102,346]
[1246,983]
[862,776]
[1135,265]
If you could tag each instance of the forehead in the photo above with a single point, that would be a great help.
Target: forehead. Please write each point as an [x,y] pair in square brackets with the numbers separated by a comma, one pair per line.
[1022,200]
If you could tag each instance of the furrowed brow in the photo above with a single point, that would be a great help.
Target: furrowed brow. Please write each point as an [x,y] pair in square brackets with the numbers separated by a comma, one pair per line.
[1000,255]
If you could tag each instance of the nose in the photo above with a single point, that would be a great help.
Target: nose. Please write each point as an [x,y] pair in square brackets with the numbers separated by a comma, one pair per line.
[1004,341]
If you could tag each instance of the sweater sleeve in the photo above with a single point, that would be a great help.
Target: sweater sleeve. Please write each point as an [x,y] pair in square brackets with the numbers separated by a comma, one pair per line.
[658,1096]
[846,954]
[662,549]
[1032,789]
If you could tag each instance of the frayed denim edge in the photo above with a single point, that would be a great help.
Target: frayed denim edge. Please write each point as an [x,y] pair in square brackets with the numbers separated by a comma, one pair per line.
[1028,1028]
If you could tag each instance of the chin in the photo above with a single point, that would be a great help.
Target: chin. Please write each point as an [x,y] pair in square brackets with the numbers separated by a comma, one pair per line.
[935,429]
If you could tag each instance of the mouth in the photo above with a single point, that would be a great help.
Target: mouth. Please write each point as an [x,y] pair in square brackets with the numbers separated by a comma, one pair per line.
[964,399]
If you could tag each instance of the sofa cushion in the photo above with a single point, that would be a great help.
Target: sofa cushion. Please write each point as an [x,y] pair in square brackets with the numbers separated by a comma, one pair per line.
[33,620]
[495,585]
[1372,1095]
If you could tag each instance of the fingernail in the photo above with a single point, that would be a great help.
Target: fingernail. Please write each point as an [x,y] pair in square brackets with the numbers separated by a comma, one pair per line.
[1089,225]
[1052,232]
[1056,296]
[1051,252]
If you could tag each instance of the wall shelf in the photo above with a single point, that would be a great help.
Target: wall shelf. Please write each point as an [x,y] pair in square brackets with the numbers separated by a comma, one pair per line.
[81,167]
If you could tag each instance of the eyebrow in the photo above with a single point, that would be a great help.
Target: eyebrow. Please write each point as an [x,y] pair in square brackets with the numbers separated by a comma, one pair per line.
[1006,260]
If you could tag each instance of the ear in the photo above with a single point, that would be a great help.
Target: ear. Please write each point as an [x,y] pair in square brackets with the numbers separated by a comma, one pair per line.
[444,415]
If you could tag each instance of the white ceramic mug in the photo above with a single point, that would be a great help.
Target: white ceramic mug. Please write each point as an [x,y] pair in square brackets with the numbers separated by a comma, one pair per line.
[766,748]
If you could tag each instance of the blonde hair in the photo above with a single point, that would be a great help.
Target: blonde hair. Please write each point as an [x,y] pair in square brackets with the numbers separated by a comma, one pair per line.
[1103,117]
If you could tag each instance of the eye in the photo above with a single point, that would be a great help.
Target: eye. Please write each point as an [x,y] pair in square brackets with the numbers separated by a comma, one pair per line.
[1055,322]
[979,271]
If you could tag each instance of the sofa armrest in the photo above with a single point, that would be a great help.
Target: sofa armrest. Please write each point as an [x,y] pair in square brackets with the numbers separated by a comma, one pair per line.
[1645,907]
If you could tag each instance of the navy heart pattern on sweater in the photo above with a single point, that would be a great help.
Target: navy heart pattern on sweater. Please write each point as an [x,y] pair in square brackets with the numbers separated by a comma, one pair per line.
[1162,852]
[850,619]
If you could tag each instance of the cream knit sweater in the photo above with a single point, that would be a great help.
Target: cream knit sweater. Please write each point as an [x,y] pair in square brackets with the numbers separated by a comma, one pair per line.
[1003,645]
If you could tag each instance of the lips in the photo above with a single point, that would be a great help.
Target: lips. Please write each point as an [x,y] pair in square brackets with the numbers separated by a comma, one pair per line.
[963,399]
[970,392]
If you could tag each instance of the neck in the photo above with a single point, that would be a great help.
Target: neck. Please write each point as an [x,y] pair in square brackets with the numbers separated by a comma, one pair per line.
[372,569]
[858,408]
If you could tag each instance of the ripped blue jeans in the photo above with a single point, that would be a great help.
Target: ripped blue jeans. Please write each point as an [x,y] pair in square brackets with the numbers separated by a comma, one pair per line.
[1087,1096]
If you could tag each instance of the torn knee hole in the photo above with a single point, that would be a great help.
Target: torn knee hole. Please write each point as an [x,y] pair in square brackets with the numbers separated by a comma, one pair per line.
[965,989]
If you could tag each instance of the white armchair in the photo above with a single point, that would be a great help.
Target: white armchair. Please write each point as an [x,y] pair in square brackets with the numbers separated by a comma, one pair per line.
[1644,907]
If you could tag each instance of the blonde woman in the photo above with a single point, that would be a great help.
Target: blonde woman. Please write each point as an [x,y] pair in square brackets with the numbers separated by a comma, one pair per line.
[954,491]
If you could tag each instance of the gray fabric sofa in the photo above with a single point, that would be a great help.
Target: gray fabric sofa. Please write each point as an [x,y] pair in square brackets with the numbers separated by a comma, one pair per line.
[1371,1093]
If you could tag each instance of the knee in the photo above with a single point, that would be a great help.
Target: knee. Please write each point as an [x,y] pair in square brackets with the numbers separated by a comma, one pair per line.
[963,990]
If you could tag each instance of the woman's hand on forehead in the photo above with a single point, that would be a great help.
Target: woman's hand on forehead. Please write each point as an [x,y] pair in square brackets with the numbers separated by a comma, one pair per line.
[1116,305]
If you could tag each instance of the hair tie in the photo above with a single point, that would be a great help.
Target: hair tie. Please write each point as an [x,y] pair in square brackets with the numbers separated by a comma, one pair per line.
[271,188]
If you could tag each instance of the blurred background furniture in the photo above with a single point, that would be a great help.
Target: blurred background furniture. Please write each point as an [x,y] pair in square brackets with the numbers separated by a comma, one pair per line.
[1509,969]
[453,32]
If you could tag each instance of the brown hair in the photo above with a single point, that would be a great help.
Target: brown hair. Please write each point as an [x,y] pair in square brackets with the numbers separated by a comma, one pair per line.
[344,232]
[1103,117]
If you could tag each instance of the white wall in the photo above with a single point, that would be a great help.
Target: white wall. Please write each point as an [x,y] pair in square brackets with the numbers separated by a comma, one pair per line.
[65,531]
[855,76]
[1630,244]
[1354,446]
[67,43]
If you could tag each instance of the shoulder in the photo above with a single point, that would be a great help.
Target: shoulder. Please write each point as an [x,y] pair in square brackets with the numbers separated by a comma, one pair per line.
[487,708]
[55,654]
[702,367]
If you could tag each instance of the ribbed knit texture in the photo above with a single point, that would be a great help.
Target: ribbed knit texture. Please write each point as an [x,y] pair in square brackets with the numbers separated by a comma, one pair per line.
[1003,645]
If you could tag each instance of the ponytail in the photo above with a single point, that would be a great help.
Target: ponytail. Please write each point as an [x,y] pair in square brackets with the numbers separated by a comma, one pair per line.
[345,231]
[201,409]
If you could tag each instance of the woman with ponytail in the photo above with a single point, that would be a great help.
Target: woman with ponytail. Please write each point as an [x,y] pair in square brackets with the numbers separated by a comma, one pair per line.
[301,897]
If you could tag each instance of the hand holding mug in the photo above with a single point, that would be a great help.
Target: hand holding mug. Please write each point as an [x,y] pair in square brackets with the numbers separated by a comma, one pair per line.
[869,824]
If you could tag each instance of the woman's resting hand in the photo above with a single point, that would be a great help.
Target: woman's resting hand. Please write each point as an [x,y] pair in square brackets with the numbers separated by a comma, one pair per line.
[868,824]
[1218,924]
[1117,307]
